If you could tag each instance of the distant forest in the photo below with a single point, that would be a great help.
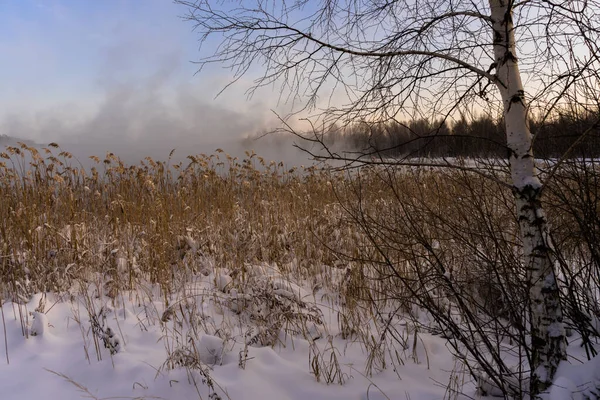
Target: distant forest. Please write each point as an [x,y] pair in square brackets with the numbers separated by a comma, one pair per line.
[478,137]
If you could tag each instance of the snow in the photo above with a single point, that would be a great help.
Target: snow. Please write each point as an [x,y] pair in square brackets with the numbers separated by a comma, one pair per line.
[39,324]
[563,388]
[223,282]
[62,356]
[204,343]
[542,373]
[576,380]
[211,349]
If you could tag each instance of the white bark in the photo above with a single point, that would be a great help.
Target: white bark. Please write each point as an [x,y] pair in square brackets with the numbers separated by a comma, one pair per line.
[547,331]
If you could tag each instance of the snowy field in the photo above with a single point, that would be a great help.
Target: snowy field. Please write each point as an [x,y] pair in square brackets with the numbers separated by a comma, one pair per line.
[204,346]
[243,279]
[55,352]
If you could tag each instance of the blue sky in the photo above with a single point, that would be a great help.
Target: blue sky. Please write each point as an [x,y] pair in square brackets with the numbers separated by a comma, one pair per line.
[115,73]
[69,48]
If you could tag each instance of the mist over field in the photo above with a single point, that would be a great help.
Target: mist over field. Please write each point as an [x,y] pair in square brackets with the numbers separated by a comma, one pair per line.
[145,120]
[110,83]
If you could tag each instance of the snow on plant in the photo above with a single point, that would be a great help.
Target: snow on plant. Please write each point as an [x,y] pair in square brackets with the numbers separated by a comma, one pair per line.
[230,258]
[104,332]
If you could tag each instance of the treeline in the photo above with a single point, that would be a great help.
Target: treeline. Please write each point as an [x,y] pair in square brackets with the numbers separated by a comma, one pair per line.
[478,137]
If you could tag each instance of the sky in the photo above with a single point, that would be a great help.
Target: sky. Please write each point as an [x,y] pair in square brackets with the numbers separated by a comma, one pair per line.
[117,75]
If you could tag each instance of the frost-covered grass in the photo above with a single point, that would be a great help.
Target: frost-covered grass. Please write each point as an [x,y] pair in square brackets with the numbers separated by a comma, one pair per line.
[230,278]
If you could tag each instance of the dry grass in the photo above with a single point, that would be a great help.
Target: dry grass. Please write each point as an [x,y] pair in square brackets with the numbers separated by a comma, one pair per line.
[61,223]
[375,244]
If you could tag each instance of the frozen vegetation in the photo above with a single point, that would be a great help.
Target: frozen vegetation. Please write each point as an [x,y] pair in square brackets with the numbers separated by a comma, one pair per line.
[242,279]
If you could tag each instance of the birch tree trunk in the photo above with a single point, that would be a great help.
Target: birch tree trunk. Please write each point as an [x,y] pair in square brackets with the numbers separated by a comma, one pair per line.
[545,313]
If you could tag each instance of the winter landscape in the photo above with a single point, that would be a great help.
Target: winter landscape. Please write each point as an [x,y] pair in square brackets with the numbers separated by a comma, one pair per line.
[335,200]
[243,279]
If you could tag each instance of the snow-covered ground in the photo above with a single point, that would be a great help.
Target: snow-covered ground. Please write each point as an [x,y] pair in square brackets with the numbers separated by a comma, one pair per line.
[210,343]
[55,352]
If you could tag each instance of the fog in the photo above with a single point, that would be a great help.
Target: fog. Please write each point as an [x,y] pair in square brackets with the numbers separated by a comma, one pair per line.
[127,86]
[149,120]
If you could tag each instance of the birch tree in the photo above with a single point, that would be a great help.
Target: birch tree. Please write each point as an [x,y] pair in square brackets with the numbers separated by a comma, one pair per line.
[382,59]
